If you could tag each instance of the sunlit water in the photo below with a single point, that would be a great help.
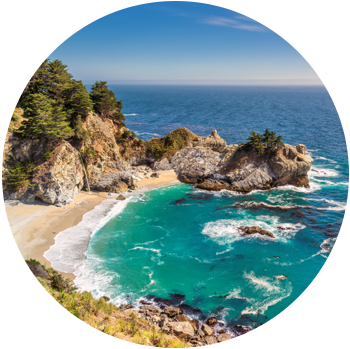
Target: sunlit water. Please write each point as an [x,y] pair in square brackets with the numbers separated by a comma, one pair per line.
[178,240]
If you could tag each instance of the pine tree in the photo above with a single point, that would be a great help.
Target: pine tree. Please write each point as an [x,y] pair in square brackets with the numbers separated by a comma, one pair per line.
[105,102]
[44,120]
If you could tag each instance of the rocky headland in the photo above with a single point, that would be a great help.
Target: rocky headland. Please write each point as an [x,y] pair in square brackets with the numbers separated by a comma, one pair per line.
[114,166]
[341,285]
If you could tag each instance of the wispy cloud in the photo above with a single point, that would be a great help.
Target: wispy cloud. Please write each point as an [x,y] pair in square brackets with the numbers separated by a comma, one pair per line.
[338,34]
[234,23]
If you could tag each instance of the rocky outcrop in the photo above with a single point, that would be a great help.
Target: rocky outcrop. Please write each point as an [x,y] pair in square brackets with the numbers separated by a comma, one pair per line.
[213,165]
[341,285]
[256,230]
[59,175]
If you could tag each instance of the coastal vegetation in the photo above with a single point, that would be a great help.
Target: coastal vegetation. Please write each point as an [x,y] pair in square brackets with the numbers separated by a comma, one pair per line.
[167,146]
[269,141]
[100,322]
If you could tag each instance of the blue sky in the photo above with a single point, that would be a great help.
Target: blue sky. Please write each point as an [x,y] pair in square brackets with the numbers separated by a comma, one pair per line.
[181,42]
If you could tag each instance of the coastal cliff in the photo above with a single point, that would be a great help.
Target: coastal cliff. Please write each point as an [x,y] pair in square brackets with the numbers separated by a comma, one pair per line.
[213,165]
[341,285]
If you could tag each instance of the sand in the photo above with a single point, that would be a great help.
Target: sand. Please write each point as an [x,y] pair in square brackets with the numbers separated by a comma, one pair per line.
[34,225]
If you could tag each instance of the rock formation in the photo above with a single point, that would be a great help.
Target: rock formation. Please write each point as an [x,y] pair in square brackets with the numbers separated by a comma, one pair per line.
[212,165]
[341,285]
[256,230]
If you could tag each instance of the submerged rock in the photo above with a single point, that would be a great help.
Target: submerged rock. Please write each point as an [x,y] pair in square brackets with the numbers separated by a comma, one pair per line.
[241,329]
[256,230]
[341,284]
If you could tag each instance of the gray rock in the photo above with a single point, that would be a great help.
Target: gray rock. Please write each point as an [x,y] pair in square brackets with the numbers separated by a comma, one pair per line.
[224,337]
[210,340]
[171,311]
[181,329]
[38,270]
[341,284]
[207,330]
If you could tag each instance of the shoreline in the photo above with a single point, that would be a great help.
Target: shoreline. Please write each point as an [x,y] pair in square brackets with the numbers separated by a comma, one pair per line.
[35,225]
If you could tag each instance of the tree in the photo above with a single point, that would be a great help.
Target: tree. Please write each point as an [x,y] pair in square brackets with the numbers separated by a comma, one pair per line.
[268,141]
[58,80]
[44,120]
[78,105]
[105,102]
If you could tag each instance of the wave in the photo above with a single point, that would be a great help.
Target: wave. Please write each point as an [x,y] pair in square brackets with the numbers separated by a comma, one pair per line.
[269,292]
[322,172]
[323,158]
[68,253]
[337,206]
[147,133]
[226,231]
[130,114]
[147,249]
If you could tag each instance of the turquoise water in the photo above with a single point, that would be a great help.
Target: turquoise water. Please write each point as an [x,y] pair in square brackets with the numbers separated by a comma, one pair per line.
[182,244]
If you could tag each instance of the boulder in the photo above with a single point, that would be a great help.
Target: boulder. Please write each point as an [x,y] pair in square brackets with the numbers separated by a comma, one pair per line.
[162,165]
[121,197]
[195,324]
[155,175]
[210,340]
[224,337]
[256,230]
[181,329]
[341,284]
[242,329]
[212,321]
[207,330]
[126,306]
[181,317]
[171,311]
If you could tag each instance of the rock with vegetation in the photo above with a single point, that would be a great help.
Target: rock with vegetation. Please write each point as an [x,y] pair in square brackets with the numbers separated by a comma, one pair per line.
[341,285]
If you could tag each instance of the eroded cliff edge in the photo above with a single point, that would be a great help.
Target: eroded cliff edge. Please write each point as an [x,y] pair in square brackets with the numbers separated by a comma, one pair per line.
[111,158]
[341,285]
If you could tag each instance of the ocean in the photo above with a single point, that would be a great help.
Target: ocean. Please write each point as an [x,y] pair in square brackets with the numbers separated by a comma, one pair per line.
[183,244]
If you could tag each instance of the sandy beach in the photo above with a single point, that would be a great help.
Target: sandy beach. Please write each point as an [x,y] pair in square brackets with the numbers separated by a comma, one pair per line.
[35,225]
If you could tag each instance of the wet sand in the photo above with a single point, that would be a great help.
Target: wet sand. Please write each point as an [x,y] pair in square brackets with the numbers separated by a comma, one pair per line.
[35,225]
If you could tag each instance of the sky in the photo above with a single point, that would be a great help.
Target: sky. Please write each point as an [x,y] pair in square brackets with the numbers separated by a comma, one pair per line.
[182,43]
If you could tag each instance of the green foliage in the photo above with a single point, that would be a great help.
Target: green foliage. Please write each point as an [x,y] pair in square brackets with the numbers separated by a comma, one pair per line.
[260,143]
[19,175]
[105,102]
[44,120]
[132,134]
[17,272]
[167,146]
[89,154]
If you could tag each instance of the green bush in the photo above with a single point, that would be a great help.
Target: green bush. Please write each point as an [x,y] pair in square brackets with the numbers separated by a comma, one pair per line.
[269,141]
[19,175]
[167,146]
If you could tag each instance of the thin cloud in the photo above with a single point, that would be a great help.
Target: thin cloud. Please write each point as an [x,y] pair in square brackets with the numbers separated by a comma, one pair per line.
[338,34]
[268,22]
[254,24]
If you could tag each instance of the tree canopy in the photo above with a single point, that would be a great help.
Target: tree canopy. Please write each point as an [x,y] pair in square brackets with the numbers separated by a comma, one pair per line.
[105,102]
[55,105]
[268,141]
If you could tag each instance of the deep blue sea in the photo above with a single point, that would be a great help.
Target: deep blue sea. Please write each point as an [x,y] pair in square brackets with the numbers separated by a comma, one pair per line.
[155,246]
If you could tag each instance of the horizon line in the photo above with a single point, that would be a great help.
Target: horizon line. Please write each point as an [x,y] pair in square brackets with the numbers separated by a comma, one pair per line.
[208,82]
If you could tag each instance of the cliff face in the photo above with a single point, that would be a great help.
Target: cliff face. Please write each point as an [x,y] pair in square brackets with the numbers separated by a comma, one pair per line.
[212,165]
[59,173]
[341,284]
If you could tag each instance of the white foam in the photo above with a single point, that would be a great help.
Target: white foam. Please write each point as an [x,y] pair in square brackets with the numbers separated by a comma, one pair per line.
[323,158]
[147,249]
[262,282]
[322,172]
[130,114]
[337,206]
[68,253]
[225,231]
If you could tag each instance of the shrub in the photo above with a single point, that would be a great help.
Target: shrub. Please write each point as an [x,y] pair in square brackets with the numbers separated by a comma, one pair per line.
[19,175]
[269,141]
[167,146]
